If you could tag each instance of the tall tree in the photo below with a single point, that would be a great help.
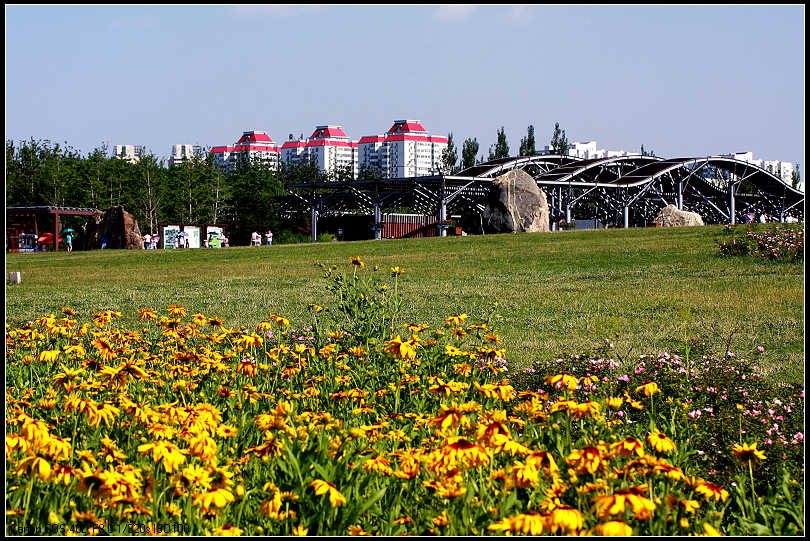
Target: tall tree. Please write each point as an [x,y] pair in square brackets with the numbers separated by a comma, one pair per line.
[502,146]
[150,176]
[527,144]
[469,152]
[796,177]
[449,156]
[559,142]
[646,152]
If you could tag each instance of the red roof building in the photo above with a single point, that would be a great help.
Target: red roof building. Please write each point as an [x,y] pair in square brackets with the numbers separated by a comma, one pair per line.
[329,148]
[253,145]
[405,150]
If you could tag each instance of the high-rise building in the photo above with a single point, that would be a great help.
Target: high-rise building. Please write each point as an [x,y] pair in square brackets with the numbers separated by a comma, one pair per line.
[405,150]
[328,148]
[181,153]
[130,153]
[253,145]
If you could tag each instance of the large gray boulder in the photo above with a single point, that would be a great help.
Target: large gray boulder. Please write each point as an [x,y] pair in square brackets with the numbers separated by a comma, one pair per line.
[114,228]
[670,216]
[516,204]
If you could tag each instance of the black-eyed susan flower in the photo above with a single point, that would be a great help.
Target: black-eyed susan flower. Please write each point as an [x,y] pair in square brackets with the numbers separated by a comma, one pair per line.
[613,528]
[565,518]
[660,442]
[746,452]
[528,523]
[649,388]
[168,453]
[615,504]
[562,380]
[336,499]
[218,498]
[357,262]
[711,491]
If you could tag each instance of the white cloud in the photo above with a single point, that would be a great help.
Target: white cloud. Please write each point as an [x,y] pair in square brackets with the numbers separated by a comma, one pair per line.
[454,12]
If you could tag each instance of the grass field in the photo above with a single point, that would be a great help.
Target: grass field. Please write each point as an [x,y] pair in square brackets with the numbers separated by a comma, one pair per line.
[557,293]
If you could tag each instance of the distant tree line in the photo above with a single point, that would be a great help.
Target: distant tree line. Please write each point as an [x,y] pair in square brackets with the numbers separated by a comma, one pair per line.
[39,172]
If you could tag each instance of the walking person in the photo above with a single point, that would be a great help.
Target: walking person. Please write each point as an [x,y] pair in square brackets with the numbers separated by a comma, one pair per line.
[269,237]
[69,242]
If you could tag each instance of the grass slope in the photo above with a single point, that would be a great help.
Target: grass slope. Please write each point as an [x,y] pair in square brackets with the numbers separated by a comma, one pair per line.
[556,293]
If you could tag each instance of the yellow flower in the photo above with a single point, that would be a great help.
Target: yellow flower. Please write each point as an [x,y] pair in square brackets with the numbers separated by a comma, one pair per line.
[566,518]
[615,402]
[746,452]
[357,261]
[613,528]
[168,453]
[650,388]
[357,530]
[562,380]
[300,530]
[529,523]
[175,310]
[455,320]
[710,530]
[397,348]
[614,504]
[660,442]
[48,355]
[396,271]
[710,490]
[324,487]
[228,530]
[218,498]
[441,520]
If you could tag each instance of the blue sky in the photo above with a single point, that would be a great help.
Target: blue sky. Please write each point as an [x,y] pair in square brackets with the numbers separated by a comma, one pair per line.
[682,80]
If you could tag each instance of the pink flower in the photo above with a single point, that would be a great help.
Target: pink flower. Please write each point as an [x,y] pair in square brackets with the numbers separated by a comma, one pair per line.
[769,441]
[760,349]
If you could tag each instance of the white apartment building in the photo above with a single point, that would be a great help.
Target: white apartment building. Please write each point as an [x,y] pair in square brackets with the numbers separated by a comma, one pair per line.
[405,150]
[181,153]
[783,170]
[588,151]
[130,153]
[329,148]
[253,145]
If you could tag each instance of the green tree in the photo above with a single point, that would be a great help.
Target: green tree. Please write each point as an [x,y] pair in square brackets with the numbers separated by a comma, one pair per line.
[795,177]
[501,148]
[527,144]
[469,152]
[559,141]
[646,152]
[449,156]
[149,192]
[369,172]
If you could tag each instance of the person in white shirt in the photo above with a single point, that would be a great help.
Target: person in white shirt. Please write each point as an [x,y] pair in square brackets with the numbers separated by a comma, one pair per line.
[147,241]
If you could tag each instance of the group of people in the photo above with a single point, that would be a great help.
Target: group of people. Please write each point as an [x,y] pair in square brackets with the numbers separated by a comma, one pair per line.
[150,241]
[256,238]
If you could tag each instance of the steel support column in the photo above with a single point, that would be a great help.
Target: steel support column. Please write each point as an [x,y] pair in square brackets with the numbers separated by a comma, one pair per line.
[731,196]
[680,195]
[626,217]
[377,229]
[314,222]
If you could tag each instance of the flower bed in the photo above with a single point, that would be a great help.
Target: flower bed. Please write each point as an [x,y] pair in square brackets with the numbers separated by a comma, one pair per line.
[783,243]
[360,423]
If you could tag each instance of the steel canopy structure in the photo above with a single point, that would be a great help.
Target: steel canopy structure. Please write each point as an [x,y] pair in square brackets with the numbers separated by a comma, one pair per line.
[620,190]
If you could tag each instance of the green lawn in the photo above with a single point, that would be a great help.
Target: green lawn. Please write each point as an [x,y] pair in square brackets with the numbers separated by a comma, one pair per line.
[557,293]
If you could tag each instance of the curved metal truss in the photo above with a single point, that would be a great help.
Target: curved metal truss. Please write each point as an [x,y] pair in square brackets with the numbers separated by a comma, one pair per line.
[720,189]
[623,190]
[533,165]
